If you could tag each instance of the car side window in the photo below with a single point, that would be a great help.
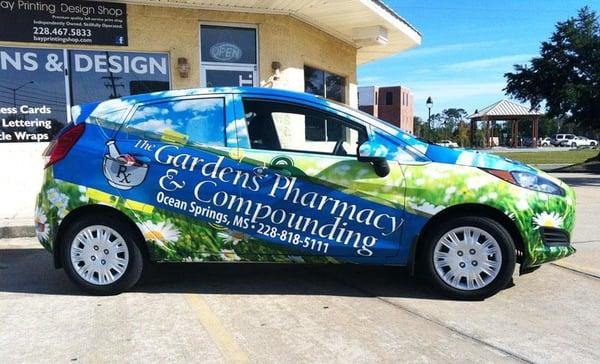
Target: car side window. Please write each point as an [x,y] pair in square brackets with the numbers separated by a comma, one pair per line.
[187,121]
[282,126]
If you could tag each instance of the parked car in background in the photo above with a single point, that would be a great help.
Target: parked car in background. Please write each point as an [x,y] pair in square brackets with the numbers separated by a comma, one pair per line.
[558,139]
[266,175]
[448,143]
[545,142]
[578,141]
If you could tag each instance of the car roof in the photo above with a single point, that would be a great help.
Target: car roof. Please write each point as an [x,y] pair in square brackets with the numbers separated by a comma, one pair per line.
[259,91]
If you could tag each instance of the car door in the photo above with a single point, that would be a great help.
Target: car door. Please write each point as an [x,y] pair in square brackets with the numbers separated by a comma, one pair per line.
[314,197]
[159,161]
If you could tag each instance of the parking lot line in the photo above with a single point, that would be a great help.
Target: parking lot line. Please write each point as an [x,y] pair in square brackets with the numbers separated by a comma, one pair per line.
[224,340]
[585,270]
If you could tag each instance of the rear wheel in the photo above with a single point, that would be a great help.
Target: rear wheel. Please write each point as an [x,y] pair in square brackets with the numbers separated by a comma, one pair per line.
[469,257]
[101,255]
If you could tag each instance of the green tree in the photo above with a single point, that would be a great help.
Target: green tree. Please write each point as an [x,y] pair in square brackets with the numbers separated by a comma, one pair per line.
[462,133]
[565,78]
[418,124]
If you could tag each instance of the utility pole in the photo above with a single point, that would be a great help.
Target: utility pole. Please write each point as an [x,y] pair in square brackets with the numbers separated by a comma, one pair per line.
[112,82]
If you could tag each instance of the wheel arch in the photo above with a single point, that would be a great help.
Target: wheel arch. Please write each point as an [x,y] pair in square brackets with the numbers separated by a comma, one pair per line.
[463,210]
[93,209]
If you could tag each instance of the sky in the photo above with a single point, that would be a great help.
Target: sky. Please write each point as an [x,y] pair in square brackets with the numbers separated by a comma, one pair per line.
[467,47]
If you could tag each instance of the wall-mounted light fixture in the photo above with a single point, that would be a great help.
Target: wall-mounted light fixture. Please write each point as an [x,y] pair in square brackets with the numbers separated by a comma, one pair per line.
[183,67]
[276,67]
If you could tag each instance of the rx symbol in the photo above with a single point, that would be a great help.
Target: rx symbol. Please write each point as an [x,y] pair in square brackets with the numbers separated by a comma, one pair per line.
[122,172]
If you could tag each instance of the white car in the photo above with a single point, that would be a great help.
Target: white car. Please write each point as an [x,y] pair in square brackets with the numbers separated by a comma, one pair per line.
[578,141]
[559,140]
[545,142]
[448,143]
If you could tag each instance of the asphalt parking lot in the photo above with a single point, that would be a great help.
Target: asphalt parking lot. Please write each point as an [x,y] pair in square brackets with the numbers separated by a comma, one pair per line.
[294,313]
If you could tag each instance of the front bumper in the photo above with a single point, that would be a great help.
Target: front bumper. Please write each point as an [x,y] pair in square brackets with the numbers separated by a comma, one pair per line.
[548,235]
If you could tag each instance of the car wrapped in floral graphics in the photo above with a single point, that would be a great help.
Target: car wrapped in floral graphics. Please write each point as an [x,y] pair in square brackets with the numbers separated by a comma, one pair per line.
[264,175]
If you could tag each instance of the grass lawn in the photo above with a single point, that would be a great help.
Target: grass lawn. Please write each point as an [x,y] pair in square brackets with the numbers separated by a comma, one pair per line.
[551,157]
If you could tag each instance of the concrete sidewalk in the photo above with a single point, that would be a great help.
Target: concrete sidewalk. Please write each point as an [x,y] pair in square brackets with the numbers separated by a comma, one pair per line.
[16,228]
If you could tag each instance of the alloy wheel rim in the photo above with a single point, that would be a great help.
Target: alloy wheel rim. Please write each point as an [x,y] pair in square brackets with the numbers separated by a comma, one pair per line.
[467,258]
[99,255]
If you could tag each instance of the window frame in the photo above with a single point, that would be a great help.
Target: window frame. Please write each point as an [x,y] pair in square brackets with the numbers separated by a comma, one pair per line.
[342,117]
[226,117]
[325,73]
[207,65]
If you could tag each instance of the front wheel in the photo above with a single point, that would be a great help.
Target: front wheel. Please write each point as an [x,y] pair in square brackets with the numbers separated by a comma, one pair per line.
[469,257]
[101,255]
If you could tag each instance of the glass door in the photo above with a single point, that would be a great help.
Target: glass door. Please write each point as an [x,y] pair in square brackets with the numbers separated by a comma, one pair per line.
[228,55]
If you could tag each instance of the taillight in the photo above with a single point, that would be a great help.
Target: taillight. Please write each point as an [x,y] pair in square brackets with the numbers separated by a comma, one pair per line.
[59,148]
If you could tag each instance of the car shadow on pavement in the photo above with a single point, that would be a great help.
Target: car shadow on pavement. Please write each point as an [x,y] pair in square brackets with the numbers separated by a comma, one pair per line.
[581,181]
[31,271]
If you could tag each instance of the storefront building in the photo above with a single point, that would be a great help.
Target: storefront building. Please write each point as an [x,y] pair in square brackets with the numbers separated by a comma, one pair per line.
[55,54]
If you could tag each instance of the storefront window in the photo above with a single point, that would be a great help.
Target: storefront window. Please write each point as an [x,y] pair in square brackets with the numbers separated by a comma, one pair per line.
[101,75]
[323,83]
[34,85]
[32,94]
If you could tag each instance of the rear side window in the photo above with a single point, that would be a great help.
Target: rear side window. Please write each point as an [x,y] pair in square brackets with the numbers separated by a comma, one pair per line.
[189,121]
[109,119]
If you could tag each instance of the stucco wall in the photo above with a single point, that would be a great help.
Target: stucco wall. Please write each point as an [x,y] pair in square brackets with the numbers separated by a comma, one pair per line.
[174,30]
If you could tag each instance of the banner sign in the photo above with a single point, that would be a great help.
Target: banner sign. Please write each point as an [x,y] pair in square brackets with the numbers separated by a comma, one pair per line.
[65,22]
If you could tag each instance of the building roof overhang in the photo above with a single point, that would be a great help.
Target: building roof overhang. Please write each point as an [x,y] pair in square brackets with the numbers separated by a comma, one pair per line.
[371,26]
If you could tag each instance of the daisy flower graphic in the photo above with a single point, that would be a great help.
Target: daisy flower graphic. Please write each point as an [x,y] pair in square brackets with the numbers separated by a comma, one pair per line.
[232,236]
[53,195]
[160,233]
[475,183]
[41,228]
[545,219]
[426,207]
[61,201]
[229,255]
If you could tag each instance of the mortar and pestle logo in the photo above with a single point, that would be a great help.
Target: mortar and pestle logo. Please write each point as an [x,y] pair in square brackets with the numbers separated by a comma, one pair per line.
[123,171]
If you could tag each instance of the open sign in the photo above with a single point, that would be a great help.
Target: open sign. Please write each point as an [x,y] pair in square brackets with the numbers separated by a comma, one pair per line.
[225,52]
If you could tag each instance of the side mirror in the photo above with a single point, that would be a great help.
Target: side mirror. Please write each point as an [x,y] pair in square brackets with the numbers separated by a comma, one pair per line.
[374,153]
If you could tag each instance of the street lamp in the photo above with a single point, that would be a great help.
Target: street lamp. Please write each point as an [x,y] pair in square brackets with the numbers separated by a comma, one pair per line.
[14,91]
[429,104]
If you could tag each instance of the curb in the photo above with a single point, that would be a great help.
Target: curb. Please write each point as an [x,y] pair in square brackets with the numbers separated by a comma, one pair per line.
[17,231]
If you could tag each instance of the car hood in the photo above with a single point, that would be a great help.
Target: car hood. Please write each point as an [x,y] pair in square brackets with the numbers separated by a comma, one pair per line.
[472,158]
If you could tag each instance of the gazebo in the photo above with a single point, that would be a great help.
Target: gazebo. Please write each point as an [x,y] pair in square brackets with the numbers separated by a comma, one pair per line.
[505,110]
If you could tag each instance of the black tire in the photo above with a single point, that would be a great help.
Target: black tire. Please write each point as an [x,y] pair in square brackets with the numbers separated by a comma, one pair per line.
[135,264]
[573,145]
[496,230]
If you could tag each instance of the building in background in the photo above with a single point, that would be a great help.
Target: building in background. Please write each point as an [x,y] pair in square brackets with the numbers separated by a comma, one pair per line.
[55,54]
[393,104]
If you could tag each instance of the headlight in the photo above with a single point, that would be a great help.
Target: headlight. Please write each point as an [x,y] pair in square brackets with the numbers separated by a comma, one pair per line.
[534,182]
[528,180]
